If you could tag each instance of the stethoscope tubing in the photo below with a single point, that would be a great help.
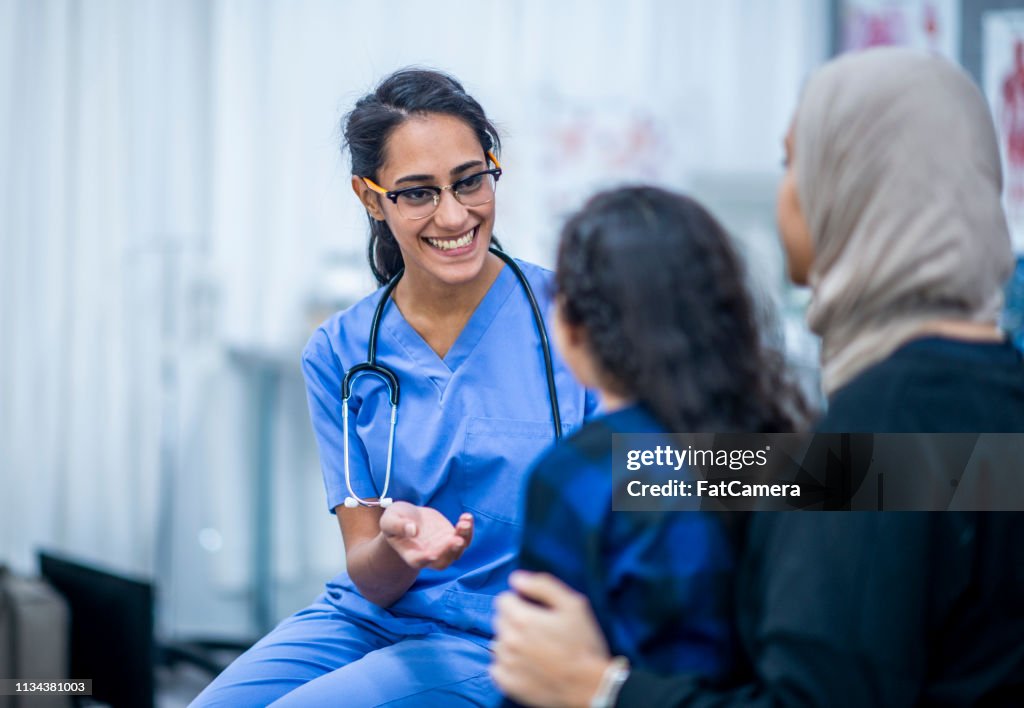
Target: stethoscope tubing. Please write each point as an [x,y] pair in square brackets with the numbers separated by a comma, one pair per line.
[370,367]
[542,332]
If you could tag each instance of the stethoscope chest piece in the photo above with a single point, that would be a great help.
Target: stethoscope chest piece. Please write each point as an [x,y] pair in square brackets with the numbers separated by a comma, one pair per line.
[383,503]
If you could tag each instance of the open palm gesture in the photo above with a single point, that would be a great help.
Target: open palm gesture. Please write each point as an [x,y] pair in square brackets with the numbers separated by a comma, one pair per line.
[423,537]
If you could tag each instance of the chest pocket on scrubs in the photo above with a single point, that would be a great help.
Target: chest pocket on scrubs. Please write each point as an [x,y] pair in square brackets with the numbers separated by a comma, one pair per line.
[498,454]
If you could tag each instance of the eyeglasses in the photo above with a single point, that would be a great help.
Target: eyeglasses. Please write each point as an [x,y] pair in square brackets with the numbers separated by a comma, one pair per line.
[421,202]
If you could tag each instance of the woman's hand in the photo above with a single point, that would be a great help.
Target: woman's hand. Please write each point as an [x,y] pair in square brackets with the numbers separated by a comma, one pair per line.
[548,648]
[423,537]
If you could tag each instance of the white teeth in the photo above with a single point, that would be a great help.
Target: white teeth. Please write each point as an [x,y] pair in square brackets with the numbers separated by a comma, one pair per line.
[450,243]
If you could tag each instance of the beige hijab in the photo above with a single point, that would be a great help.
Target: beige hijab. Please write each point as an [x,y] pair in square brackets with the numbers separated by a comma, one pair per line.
[898,175]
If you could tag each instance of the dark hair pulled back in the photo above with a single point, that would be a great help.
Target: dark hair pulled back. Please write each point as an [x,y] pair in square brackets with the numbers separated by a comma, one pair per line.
[654,281]
[367,128]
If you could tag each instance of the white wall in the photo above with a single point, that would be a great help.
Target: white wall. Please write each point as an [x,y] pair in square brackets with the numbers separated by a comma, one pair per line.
[173,205]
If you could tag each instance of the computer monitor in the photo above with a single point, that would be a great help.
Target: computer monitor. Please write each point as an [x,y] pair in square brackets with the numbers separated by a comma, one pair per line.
[111,630]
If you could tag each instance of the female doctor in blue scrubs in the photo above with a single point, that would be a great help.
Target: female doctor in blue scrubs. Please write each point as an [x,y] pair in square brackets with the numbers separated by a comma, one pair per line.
[409,622]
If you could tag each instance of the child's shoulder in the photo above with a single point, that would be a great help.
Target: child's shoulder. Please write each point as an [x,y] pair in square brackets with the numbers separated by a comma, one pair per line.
[589,449]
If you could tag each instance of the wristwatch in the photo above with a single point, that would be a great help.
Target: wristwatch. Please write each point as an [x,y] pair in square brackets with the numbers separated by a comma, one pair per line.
[611,683]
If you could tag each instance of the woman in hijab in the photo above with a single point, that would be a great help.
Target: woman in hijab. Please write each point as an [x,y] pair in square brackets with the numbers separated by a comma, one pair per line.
[890,211]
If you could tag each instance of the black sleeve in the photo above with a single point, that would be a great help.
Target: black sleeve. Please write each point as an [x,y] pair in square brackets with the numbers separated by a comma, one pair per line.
[644,688]
[840,619]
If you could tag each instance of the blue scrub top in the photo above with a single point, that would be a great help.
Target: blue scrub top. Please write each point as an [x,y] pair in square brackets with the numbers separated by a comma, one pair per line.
[469,428]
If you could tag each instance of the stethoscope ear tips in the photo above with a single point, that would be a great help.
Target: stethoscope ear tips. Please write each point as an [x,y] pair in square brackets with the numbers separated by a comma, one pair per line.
[386,502]
[351,503]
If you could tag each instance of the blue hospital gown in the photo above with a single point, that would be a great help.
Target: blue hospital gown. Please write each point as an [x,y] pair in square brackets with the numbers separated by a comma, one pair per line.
[469,427]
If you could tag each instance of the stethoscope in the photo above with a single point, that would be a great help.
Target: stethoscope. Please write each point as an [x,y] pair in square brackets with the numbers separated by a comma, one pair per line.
[371,367]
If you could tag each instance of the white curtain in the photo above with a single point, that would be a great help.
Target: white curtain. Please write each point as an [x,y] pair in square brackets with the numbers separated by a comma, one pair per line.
[175,217]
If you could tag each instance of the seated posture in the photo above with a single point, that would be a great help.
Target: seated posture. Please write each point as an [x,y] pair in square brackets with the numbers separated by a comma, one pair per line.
[454,328]
[890,210]
[652,312]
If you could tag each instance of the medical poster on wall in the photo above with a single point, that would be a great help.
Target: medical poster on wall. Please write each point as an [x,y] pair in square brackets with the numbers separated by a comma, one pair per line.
[1003,79]
[573,146]
[1002,71]
[591,145]
[925,24]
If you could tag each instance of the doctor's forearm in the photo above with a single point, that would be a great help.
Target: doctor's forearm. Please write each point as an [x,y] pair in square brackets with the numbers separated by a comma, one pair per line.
[379,572]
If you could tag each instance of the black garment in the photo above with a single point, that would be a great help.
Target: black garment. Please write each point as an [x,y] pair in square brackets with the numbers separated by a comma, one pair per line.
[884,608]
[934,385]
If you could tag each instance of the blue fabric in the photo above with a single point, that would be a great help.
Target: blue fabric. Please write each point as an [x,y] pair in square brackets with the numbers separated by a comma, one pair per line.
[469,427]
[660,583]
[355,662]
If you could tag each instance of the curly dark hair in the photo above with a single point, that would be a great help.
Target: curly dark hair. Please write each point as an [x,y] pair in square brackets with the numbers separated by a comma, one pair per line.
[653,279]
[368,126]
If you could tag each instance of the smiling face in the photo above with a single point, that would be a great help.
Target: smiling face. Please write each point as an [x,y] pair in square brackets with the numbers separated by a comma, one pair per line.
[796,237]
[450,246]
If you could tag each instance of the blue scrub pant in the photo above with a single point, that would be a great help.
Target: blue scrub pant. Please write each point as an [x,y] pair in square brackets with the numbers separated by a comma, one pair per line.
[321,657]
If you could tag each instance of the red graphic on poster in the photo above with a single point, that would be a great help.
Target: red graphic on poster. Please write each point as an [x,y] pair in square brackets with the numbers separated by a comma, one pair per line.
[931,27]
[1012,126]
[876,29]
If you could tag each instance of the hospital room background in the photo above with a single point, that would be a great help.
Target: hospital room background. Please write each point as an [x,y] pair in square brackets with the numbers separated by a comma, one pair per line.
[176,219]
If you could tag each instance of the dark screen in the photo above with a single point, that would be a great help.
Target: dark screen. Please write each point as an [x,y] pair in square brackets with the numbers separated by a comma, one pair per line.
[111,630]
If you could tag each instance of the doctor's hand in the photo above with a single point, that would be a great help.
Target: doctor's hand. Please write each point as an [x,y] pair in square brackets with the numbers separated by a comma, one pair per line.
[423,537]
[548,648]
